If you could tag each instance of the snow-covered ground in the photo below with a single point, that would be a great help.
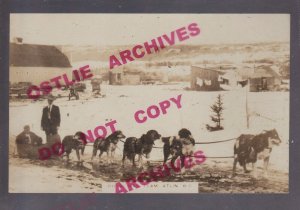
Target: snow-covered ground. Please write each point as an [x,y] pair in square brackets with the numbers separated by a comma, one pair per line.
[121,102]
[268,110]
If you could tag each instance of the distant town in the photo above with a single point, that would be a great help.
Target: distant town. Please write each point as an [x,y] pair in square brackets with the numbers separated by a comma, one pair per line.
[205,67]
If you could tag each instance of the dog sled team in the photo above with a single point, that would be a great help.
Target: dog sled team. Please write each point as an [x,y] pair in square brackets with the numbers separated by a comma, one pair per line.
[247,148]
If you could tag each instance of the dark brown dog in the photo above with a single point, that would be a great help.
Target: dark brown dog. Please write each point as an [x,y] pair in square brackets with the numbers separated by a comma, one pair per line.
[172,146]
[142,146]
[76,142]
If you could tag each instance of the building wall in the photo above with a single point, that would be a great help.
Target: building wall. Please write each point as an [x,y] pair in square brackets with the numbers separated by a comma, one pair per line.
[119,78]
[204,74]
[272,84]
[131,79]
[36,75]
[115,78]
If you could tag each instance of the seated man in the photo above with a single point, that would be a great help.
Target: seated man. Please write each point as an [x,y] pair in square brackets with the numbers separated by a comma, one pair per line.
[25,140]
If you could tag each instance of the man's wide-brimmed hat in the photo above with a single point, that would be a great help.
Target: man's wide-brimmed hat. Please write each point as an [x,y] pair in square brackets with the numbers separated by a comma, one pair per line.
[26,127]
[50,97]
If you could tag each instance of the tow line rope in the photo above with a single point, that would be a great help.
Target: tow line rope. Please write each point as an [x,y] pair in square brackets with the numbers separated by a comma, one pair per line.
[207,142]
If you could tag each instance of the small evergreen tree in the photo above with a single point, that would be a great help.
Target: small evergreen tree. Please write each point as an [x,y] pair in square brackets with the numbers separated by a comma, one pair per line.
[217,109]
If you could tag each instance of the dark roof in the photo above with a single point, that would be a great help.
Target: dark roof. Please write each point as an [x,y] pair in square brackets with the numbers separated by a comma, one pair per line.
[205,73]
[30,55]
[264,71]
[258,72]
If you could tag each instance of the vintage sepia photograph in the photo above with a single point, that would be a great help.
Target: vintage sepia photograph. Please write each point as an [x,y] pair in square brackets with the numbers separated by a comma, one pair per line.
[149,103]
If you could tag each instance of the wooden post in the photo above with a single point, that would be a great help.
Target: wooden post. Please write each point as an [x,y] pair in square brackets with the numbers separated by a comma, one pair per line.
[247,108]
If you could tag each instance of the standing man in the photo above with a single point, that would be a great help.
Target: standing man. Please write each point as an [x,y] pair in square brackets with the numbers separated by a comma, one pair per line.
[50,119]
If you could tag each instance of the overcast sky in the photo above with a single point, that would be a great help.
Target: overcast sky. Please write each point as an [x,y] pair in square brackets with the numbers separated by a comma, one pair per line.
[118,29]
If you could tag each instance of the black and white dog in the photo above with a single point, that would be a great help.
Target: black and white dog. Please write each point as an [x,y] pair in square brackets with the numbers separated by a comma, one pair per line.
[108,145]
[178,146]
[249,148]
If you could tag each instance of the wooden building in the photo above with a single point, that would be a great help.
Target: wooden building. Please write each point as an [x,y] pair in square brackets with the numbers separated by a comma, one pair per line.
[205,79]
[264,78]
[36,63]
[260,78]
[118,76]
